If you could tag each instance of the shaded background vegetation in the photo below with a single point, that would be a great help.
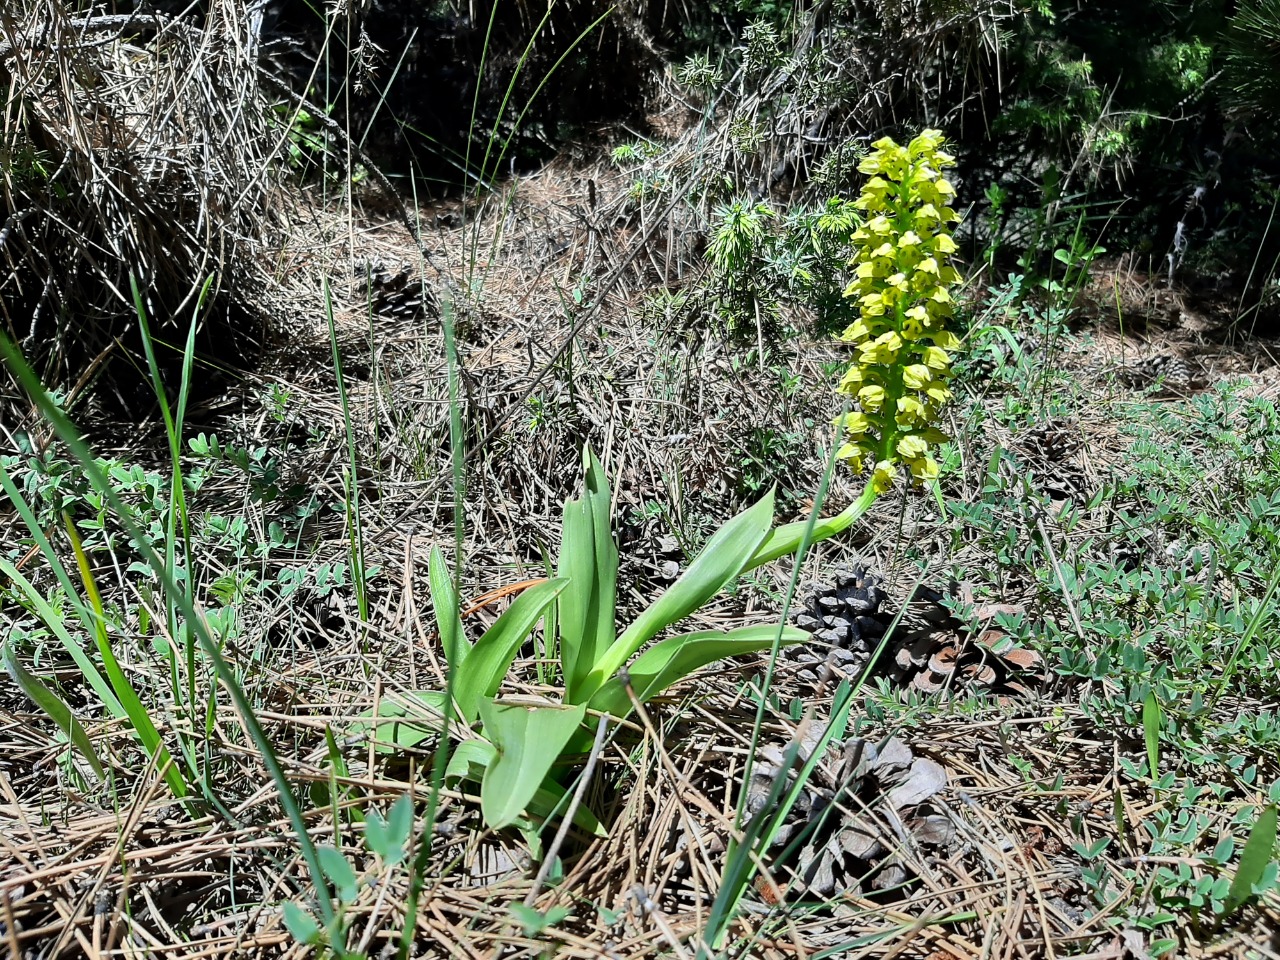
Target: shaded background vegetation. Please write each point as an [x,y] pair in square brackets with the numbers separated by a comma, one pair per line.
[1147,124]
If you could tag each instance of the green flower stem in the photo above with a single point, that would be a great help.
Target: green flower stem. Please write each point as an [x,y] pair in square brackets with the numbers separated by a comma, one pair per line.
[786,539]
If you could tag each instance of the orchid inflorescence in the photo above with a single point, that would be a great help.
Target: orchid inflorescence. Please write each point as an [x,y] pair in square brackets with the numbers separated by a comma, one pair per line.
[899,379]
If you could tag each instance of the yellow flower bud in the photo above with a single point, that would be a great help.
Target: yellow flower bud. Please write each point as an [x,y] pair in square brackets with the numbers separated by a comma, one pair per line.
[938,393]
[944,244]
[946,340]
[854,424]
[871,397]
[851,454]
[912,447]
[852,381]
[936,358]
[856,332]
[923,468]
[917,376]
[882,478]
[911,413]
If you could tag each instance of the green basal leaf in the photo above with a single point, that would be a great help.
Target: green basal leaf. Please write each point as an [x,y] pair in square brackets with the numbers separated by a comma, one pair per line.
[589,560]
[469,760]
[552,800]
[529,740]
[675,658]
[401,724]
[444,601]
[493,653]
[1253,860]
[54,706]
[721,560]
[786,539]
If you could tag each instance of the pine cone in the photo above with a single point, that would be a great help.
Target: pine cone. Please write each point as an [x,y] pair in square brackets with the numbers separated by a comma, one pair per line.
[400,294]
[993,353]
[853,809]
[935,651]
[1052,441]
[929,650]
[843,614]
[1165,370]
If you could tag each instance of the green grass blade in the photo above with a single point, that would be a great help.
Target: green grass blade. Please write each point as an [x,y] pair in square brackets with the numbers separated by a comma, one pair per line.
[1246,638]
[67,432]
[53,620]
[139,719]
[46,549]
[355,530]
[57,709]
[1253,860]
[440,762]
[1152,720]
[177,523]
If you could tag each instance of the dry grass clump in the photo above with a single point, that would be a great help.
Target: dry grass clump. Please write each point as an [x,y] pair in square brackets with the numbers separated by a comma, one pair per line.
[136,149]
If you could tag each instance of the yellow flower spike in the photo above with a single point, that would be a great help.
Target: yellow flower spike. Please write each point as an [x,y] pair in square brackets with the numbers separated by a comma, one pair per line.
[900,284]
